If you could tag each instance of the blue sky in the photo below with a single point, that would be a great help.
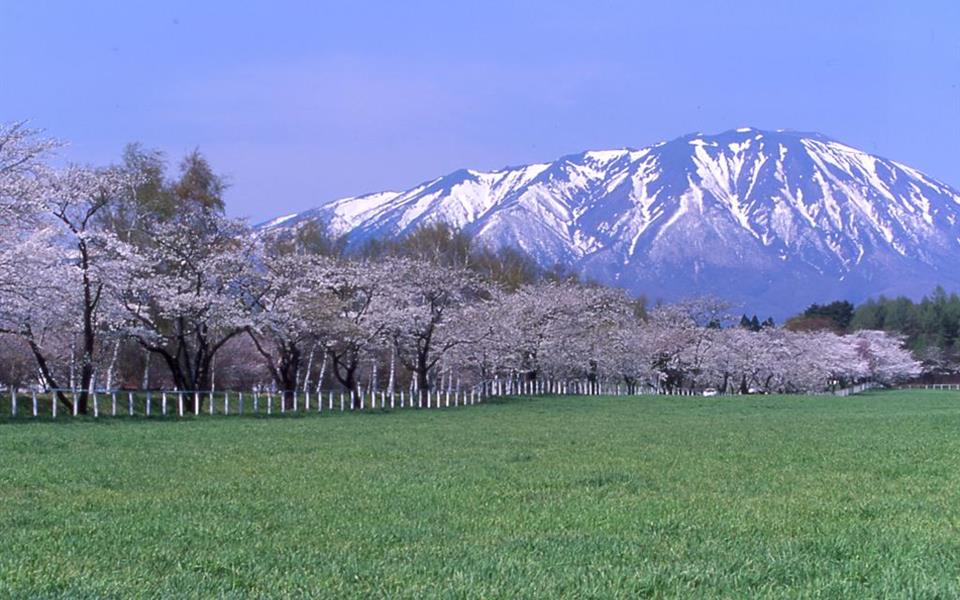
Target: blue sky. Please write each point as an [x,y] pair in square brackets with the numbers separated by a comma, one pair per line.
[302,102]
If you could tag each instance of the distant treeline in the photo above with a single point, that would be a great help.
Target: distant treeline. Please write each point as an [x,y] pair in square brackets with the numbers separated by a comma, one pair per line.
[930,325]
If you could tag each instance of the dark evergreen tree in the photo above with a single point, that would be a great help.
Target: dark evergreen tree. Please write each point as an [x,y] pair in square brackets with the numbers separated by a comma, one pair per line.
[839,311]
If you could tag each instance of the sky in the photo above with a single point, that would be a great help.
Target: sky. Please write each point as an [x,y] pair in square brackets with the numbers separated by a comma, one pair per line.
[299,103]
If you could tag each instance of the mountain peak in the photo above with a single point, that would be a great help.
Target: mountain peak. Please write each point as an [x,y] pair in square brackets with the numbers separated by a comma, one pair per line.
[770,219]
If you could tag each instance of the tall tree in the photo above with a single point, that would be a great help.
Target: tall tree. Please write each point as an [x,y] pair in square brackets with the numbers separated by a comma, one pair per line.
[193,270]
[293,311]
[191,290]
[427,301]
[366,308]
[77,198]
[64,259]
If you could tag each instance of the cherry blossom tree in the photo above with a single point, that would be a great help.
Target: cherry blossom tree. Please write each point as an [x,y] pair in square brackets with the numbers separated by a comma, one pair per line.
[96,258]
[288,315]
[428,305]
[887,360]
[189,292]
[367,312]
[307,302]
[59,259]
[28,256]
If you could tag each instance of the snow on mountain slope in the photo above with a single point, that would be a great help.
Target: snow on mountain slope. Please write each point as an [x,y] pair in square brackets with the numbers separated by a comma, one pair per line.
[771,220]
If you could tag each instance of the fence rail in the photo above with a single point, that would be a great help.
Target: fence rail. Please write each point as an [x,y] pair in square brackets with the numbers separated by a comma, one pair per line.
[176,403]
[931,386]
[855,389]
[183,403]
[180,403]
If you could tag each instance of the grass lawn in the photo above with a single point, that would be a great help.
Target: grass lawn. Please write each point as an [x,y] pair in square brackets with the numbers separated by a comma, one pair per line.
[554,497]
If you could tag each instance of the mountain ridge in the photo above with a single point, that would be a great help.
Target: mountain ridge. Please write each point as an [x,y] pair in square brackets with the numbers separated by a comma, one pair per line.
[767,219]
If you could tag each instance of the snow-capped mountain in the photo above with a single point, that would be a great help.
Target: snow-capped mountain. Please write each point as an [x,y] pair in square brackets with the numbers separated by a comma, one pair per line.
[770,220]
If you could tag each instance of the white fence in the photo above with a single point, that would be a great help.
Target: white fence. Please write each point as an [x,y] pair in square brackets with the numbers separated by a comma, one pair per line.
[855,389]
[102,403]
[931,386]
[113,403]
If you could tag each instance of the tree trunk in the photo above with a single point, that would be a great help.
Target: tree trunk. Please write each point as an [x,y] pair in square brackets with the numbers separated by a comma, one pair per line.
[323,372]
[145,382]
[90,300]
[393,371]
[113,364]
[86,377]
[345,371]
[423,383]
[289,369]
[592,375]
[308,372]
[47,375]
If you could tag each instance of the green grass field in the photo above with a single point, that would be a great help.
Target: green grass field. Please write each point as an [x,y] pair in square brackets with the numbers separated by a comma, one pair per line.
[554,497]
